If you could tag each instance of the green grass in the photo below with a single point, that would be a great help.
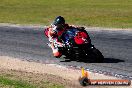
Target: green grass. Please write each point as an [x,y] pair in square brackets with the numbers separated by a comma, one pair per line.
[15,83]
[99,13]
[11,83]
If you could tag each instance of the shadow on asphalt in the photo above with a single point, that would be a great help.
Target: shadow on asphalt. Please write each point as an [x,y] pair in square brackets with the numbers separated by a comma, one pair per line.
[106,60]
[112,60]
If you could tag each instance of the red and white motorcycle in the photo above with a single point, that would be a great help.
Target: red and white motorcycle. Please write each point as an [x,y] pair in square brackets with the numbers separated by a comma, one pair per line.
[77,46]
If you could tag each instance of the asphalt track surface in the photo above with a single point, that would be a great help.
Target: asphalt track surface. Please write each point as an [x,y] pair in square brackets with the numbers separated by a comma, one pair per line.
[29,43]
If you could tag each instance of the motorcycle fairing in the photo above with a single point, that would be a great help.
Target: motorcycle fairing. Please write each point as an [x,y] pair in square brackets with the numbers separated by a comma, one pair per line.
[75,36]
[68,35]
[81,37]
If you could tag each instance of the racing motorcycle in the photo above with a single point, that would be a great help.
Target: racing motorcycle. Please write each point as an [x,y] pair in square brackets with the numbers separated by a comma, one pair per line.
[77,46]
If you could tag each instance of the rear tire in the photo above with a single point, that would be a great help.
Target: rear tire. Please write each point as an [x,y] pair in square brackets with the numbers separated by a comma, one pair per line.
[96,56]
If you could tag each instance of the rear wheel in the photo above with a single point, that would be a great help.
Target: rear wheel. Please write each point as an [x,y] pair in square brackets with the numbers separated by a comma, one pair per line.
[95,56]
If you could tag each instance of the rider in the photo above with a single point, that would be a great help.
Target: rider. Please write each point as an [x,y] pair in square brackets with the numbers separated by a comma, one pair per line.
[55,31]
